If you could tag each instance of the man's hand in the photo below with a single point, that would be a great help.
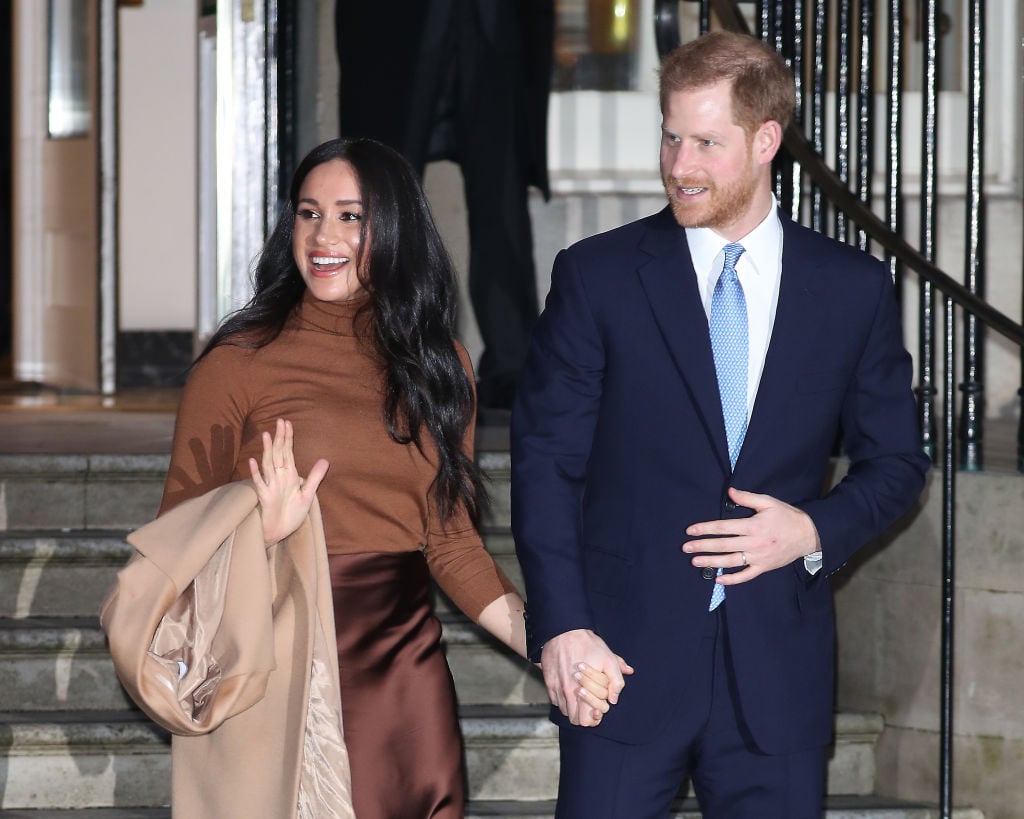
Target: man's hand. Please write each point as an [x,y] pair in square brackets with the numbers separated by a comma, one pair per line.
[775,536]
[571,662]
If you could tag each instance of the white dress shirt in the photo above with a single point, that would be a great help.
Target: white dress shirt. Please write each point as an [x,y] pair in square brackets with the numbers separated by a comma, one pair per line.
[760,271]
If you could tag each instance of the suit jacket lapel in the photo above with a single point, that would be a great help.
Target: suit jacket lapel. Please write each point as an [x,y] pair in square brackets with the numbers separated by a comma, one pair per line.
[797,318]
[669,281]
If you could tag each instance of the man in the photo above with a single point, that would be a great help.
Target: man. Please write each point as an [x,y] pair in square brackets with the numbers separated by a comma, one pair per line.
[465,80]
[684,390]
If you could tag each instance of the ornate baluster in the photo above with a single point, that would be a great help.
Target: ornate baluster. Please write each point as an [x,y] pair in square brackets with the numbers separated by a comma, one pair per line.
[929,183]
[926,391]
[1020,394]
[795,14]
[894,156]
[948,568]
[819,57]
[844,88]
[972,410]
[1020,420]
[775,16]
[865,111]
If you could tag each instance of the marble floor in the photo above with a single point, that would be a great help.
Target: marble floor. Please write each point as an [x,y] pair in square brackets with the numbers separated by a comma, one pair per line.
[38,420]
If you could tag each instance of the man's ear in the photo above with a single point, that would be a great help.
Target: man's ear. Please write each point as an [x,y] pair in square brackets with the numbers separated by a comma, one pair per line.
[767,141]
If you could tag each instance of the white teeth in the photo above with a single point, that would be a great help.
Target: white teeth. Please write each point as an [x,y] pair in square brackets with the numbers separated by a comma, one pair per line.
[322,260]
[690,191]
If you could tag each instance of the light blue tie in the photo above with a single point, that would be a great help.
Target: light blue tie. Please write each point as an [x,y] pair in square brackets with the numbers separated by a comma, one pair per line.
[728,329]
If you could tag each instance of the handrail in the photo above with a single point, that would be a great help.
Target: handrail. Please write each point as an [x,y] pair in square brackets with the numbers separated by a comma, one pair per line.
[800,148]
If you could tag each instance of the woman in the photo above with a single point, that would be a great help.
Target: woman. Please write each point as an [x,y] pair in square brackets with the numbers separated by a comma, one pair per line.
[346,353]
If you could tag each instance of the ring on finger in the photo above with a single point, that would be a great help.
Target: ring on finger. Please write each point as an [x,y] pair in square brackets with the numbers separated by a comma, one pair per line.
[743,557]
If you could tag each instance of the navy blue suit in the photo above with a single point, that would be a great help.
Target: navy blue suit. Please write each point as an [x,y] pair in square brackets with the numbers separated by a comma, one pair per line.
[618,444]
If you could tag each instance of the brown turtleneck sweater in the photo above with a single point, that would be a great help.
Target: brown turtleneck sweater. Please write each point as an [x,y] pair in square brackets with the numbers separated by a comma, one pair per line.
[320,375]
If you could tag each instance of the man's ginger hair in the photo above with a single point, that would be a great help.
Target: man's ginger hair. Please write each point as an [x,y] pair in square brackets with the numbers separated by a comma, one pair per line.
[762,84]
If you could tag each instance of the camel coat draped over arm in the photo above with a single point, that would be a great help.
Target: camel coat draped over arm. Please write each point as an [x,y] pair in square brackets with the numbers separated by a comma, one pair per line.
[229,645]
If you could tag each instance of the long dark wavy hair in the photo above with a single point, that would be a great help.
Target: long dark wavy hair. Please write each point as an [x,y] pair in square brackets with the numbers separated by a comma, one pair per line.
[410,279]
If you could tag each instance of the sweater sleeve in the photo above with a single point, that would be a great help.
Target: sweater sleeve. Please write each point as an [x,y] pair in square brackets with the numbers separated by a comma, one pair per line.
[208,428]
[455,552]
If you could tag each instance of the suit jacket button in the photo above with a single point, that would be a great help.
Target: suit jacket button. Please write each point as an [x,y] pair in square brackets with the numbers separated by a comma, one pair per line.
[729,505]
[708,573]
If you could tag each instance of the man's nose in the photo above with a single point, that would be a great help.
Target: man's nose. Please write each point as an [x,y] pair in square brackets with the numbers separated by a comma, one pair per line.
[682,162]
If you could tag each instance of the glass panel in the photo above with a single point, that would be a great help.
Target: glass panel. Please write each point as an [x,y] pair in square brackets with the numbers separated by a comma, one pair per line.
[596,45]
[68,101]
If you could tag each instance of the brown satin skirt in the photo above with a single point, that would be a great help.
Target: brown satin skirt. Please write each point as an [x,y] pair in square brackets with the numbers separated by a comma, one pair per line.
[397,696]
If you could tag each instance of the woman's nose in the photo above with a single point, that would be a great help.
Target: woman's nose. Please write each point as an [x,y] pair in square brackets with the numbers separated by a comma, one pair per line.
[327,231]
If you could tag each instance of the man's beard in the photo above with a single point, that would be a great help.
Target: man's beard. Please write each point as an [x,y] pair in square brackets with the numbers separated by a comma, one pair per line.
[719,206]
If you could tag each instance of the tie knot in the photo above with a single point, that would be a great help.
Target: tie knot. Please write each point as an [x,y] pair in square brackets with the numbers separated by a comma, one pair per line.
[733,251]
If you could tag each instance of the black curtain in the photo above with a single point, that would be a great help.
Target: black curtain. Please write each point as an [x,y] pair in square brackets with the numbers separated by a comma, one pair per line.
[287,97]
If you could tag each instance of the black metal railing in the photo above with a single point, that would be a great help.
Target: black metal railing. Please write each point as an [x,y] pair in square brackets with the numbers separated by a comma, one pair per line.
[845,192]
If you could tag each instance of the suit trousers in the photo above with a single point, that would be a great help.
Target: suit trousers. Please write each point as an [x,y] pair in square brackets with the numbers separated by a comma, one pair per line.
[459,89]
[704,737]
[479,124]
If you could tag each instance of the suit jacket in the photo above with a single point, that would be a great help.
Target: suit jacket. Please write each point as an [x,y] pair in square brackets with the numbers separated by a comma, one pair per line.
[393,62]
[618,444]
[230,646]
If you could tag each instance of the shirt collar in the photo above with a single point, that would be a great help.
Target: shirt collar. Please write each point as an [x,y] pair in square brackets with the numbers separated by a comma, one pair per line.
[761,246]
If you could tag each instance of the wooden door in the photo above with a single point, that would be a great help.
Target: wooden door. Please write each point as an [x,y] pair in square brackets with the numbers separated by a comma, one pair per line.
[56,193]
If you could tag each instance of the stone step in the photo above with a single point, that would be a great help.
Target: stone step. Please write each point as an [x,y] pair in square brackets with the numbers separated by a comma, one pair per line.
[83,759]
[54,492]
[58,573]
[118,758]
[49,663]
[48,573]
[497,469]
[512,753]
[836,808]
[485,671]
[54,664]
[88,813]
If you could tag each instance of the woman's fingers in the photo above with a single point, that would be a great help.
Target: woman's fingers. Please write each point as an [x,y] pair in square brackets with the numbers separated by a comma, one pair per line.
[267,459]
[597,692]
[596,702]
[311,482]
[594,681]
[257,476]
[280,442]
[592,694]
[288,454]
[278,459]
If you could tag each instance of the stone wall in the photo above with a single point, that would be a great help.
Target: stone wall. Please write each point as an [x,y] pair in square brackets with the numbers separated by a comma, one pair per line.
[888,605]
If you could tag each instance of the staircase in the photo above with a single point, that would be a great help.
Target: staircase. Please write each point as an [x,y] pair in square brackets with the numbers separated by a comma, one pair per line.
[72,745]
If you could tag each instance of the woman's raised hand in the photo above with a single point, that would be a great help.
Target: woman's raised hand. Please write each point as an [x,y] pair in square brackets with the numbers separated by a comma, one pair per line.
[285,497]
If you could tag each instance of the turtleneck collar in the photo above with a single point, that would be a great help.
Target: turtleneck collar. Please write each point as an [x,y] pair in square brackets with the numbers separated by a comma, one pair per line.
[337,318]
